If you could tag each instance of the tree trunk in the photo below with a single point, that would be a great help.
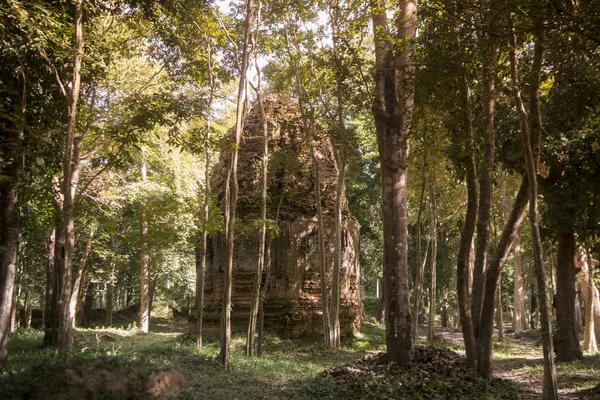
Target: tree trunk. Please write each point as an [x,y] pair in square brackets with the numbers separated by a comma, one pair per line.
[488,42]
[463,270]
[566,338]
[418,288]
[267,277]
[110,296]
[432,301]
[519,288]
[69,183]
[335,281]
[341,172]
[201,253]
[144,261]
[591,299]
[231,195]
[250,339]
[499,316]
[75,295]
[531,150]
[392,110]
[51,295]
[11,137]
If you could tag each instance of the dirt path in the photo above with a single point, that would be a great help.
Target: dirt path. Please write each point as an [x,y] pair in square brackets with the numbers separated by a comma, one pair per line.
[519,358]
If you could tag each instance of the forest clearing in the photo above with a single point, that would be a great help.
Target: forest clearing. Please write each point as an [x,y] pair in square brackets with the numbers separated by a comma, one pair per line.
[300,199]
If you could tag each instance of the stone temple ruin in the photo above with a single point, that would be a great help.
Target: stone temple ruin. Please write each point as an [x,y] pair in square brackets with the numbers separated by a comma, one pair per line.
[293,302]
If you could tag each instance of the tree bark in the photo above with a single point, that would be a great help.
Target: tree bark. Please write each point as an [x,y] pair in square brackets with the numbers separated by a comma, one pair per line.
[418,288]
[75,295]
[11,137]
[250,339]
[69,184]
[201,254]
[488,42]
[550,390]
[566,338]
[432,301]
[519,288]
[463,270]
[592,301]
[51,295]
[232,194]
[392,110]
[110,296]
[144,261]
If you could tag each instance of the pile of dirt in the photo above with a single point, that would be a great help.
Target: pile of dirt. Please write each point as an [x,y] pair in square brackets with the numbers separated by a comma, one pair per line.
[433,373]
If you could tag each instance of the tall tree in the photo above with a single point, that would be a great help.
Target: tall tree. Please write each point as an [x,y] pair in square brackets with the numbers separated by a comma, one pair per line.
[550,390]
[392,110]
[68,185]
[12,130]
[231,190]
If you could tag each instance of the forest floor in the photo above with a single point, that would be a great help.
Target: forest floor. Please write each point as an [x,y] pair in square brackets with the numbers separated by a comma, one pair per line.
[289,369]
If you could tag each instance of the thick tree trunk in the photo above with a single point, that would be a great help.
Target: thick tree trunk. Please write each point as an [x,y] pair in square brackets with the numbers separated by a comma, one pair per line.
[566,338]
[519,288]
[392,110]
[232,194]
[11,139]
[144,261]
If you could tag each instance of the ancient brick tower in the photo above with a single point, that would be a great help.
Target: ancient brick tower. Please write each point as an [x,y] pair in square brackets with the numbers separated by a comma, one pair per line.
[293,302]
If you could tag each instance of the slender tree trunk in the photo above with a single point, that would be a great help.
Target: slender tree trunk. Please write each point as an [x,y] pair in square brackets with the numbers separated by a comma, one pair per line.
[75,295]
[550,387]
[110,296]
[463,270]
[433,229]
[51,295]
[250,340]
[519,288]
[201,254]
[28,310]
[589,339]
[267,277]
[418,288]
[532,123]
[232,194]
[69,183]
[321,240]
[341,171]
[499,316]
[392,110]
[144,261]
